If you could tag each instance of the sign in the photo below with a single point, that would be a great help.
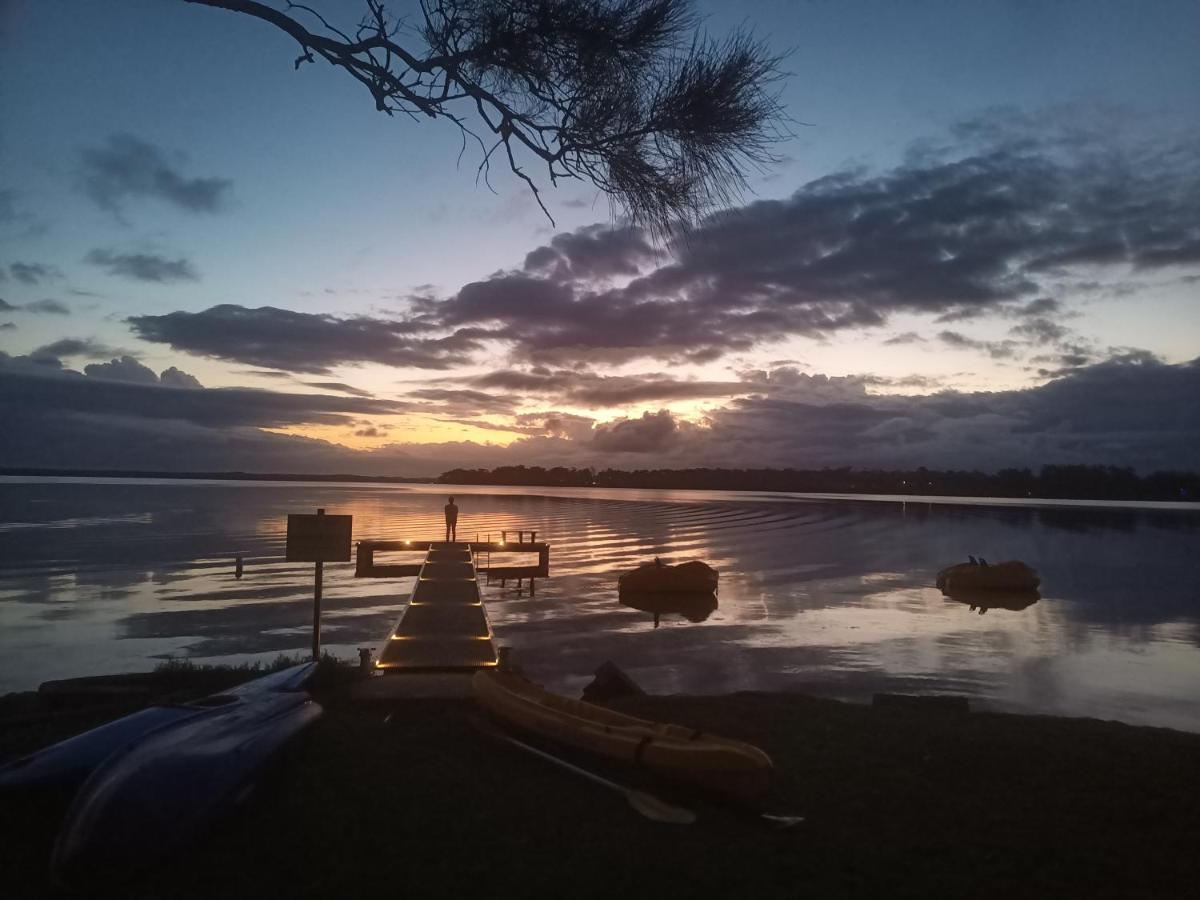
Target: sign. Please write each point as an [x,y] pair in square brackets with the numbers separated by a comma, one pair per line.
[318,538]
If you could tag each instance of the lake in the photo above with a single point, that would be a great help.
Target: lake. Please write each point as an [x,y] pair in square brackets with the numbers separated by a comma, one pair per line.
[831,596]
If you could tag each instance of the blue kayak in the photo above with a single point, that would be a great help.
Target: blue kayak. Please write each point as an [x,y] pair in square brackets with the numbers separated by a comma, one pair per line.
[69,762]
[155,796]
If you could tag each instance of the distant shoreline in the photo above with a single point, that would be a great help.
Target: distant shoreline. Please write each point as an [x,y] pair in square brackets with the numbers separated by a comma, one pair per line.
[985,487]
[210,476]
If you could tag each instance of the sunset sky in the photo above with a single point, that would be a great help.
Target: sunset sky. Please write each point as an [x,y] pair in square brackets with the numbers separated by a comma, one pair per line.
[980,248]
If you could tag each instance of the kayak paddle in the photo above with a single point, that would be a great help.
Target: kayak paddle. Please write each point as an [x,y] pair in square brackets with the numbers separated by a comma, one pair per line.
[648,805]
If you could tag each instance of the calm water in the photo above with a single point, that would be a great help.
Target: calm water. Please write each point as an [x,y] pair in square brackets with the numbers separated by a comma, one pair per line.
[823,595]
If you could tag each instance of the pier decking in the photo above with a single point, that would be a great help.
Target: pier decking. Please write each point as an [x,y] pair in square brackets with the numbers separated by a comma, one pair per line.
[445,625]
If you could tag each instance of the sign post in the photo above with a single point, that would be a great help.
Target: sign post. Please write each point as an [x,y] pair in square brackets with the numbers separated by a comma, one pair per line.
[318,539]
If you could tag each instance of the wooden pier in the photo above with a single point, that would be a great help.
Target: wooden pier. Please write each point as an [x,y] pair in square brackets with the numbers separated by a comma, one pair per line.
[445,625]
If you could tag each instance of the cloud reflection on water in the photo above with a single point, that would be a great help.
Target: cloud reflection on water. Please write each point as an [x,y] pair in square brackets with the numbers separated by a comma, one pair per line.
[831,597]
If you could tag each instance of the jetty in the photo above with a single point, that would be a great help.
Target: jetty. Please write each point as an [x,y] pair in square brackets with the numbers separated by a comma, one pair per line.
[445,626]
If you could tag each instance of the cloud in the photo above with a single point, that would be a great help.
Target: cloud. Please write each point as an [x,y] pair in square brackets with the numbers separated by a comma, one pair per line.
[651,433]
[466,402]
[995,349]
[126,368]
[1132,411]
[127,167]
[47,306]
[987,229]
[590,389]
[328,385]
[979,229]
[33,273]
[1040,331]
[5,306]
[143,266]
[7,326]
[173,377]
[908,337]
[121,390]
[88,348]
[302,342]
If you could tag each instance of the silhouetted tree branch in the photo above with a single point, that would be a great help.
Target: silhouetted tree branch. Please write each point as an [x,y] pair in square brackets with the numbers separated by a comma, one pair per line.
[625,94]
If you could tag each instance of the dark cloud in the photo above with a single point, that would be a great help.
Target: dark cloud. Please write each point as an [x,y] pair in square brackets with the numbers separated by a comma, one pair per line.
[101,394]
[908,337]
[465,401]
[982,232]
[1042,306]
[369,431]
[587,388]
[593,252]
[1131,411]
[126,368]
[33,273]
[327,385]
[48,306]
[5,306]
[653,432]
[302,342]
[173,377]
[1040,331]
[995,349]
[7,326]
[989,229]
[127,167]
[143,266]
[88,348]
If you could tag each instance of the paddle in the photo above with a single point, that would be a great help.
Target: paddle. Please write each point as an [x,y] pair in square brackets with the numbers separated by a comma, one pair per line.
[648,805]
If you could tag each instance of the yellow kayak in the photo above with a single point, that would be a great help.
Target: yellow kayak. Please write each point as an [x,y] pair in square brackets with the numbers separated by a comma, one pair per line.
[721,764]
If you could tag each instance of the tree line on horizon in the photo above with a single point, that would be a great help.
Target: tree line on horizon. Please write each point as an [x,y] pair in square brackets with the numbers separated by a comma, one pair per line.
[1068,482]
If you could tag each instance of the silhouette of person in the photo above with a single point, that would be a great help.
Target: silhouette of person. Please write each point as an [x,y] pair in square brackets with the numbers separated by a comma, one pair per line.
[451,521]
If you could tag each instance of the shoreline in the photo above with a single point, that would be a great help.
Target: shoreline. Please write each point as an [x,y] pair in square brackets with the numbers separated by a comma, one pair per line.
[929,801]
[20,476]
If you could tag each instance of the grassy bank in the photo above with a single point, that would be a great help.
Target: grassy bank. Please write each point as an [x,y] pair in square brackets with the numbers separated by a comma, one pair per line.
[406,798]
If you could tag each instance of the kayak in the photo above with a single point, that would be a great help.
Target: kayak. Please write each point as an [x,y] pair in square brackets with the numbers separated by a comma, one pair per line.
[156,795]
[658,577]
[68,762]
[728,766]
[1006,576]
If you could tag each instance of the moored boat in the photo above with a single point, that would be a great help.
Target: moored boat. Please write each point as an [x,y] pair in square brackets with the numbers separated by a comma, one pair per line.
[725,765]
[693,576]
[1012,575]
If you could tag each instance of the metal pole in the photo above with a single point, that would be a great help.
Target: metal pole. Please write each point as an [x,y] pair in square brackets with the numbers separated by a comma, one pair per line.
[316,629]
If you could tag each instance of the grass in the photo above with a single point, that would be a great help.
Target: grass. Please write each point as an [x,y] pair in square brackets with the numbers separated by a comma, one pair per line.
[407,798]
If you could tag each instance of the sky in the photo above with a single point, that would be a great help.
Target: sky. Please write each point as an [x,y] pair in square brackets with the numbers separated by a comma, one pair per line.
[979,247]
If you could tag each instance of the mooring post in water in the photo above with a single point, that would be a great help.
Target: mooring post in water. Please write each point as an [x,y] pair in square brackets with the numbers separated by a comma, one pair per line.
[237,568]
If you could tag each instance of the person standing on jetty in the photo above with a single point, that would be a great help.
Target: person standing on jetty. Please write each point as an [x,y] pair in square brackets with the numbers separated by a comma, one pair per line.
[451,521]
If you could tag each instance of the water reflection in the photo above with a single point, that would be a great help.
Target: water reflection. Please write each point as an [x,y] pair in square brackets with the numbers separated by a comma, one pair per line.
[832,597]
[982,601]
[695,606]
